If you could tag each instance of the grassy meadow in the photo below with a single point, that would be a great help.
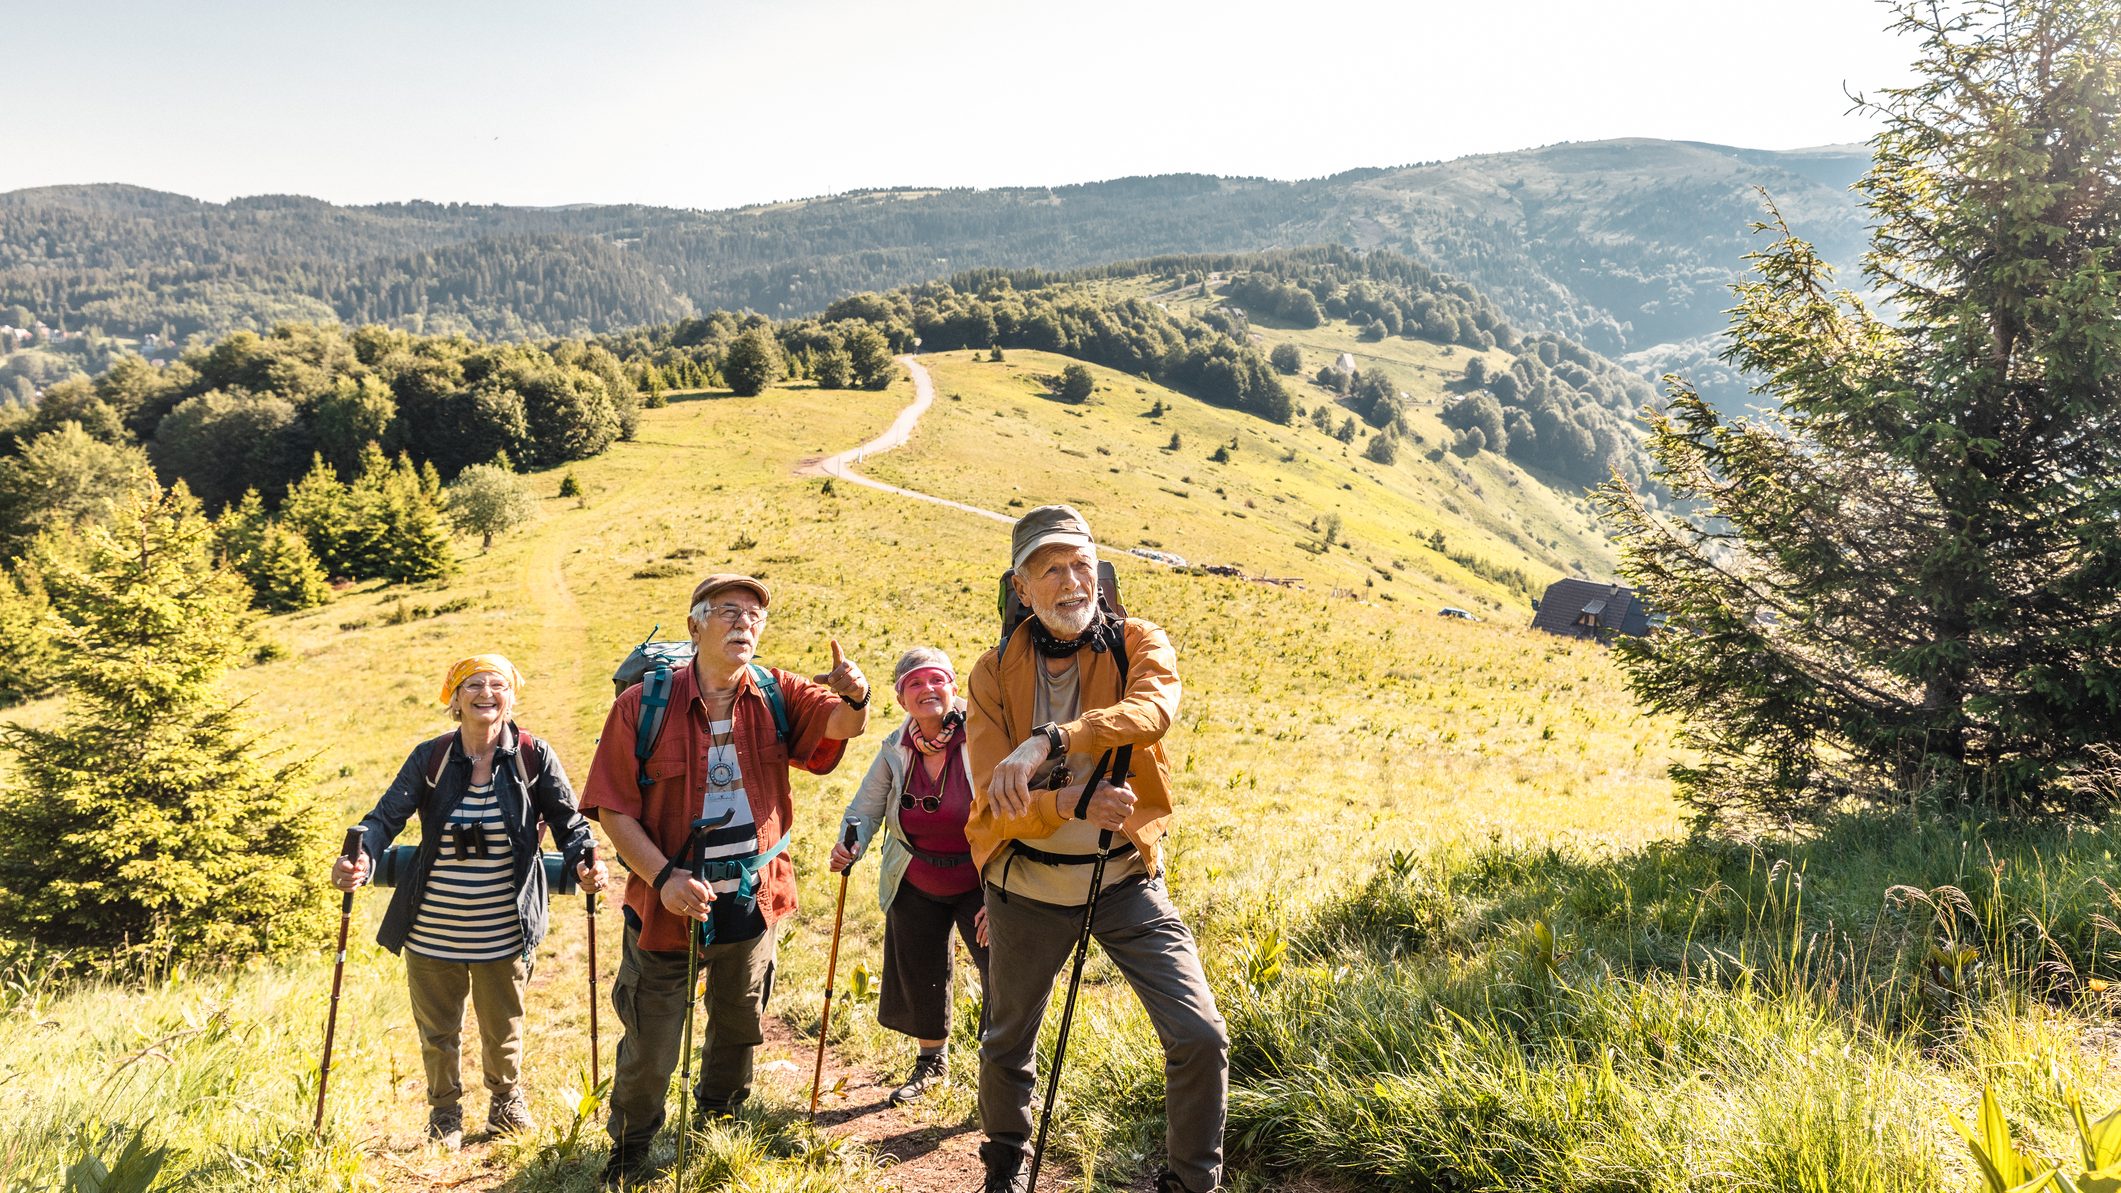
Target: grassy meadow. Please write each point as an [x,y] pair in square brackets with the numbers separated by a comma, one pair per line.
[1439,881]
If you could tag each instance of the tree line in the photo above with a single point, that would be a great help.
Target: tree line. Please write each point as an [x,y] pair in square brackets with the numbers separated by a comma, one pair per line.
[852,342]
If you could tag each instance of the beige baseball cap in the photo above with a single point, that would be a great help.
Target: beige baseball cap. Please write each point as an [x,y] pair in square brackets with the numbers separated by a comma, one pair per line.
[1045,526]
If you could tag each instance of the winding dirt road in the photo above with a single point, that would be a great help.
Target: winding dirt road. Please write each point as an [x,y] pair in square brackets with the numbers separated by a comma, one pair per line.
[896,435]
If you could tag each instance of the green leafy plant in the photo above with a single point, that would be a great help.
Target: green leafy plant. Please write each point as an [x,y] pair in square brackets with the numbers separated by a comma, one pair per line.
[861,984]
[583,1104]
[135,1170]
[2005,1169]
[1260,960]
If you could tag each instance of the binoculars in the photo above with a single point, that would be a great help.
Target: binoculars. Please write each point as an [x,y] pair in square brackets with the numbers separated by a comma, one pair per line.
[397,861]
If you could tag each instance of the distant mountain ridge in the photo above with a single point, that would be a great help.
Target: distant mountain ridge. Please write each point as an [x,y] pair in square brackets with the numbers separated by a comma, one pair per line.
[1622,245]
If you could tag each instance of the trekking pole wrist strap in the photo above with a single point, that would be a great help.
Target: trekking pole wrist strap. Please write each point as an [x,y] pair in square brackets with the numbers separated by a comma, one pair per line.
[663,875]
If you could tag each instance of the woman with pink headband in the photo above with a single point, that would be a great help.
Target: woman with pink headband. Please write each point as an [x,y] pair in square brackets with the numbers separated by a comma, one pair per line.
[469,911]
[919,791]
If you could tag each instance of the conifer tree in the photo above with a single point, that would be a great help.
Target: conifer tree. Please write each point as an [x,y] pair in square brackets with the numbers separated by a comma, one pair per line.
[144,827]
[283,573]
[319,507]
[1913,578]
[29,653]
[400,523]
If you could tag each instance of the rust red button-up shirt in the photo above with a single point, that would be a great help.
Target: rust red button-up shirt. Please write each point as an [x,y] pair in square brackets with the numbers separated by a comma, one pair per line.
[677,781]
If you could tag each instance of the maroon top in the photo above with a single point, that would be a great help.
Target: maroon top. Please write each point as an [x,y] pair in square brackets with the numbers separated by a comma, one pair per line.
[943,830]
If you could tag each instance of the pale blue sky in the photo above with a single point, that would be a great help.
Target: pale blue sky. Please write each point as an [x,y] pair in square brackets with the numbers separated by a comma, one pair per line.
[719,103]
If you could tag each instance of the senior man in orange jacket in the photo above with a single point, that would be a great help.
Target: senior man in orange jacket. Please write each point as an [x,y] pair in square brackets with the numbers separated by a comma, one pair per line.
[1052,696]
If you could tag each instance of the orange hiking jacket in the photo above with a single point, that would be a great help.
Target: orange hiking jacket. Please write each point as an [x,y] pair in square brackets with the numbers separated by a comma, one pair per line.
[1001,699]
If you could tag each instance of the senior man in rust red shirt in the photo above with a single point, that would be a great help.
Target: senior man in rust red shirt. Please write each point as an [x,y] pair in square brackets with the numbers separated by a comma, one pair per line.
[718,757]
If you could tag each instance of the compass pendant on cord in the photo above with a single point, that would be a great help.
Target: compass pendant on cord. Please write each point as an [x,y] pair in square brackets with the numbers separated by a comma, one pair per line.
[721,774]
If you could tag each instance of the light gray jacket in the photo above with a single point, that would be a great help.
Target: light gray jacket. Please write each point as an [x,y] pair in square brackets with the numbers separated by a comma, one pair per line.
[875,804]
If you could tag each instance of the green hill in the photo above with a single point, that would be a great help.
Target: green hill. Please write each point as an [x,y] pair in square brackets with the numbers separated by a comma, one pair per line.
[1618,244]
[1433,865]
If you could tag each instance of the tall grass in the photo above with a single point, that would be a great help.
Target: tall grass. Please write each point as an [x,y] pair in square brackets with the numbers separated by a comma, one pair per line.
[1698,1016]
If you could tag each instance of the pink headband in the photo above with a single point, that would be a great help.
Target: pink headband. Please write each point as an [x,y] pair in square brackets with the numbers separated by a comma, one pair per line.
[900,686]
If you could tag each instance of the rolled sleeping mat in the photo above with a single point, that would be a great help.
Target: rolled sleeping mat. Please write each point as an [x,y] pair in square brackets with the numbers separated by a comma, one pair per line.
[397,862]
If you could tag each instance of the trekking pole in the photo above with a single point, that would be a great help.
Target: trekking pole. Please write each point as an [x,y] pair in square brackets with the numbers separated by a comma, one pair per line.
[1075,978]
[832,962]
[351,851]
[694,852]
[589,858]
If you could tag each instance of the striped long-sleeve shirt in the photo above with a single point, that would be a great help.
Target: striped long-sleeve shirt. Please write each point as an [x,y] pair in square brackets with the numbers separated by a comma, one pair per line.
[468,911]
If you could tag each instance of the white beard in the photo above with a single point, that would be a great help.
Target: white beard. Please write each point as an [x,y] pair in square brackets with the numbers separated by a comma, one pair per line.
[1065,625]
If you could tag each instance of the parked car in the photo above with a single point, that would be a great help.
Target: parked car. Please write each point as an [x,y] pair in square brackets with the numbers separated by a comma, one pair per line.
[1454,611]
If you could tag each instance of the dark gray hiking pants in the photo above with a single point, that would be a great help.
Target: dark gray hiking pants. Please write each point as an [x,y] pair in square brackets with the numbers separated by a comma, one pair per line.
[1028,947]
[650,998]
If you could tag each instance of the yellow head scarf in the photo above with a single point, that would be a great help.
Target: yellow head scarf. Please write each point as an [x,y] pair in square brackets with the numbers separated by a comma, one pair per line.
[497,664]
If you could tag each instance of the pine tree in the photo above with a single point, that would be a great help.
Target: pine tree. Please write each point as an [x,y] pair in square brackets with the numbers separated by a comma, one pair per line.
[29,652]
[400,523]
[283,573]
[319,507]
[1915,578]
[569,486]
[144,828]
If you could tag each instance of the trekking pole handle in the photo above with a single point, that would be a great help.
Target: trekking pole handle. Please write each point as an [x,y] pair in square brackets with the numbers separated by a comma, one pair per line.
[351,850]
[853,833]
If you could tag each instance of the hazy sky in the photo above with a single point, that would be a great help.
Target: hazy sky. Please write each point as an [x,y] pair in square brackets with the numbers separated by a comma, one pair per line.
[716,103]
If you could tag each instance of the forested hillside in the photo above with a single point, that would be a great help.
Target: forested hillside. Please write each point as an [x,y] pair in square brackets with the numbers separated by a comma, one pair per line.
[1619,245]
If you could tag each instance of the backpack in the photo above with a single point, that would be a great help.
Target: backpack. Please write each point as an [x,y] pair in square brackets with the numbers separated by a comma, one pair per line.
[1014,611]
[653,665]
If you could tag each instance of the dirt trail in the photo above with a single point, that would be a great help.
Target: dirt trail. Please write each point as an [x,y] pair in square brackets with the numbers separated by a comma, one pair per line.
[925,1155]
[896,435]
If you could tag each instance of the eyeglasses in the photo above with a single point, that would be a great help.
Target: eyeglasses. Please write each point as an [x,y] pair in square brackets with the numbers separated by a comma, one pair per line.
[479,685]
[738,615]
[928,803]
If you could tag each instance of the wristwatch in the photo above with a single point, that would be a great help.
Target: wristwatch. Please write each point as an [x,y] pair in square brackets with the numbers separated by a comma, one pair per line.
[1056,746]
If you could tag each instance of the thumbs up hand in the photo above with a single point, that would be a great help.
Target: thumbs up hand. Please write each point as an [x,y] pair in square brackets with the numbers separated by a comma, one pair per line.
[845,678]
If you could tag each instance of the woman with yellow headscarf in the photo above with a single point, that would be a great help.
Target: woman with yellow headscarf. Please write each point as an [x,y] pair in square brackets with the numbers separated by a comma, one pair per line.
[469,911]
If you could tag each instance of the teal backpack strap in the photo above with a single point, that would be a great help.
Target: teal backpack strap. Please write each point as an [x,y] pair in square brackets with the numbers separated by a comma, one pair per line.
[655,703]
[745,870]
[772,689]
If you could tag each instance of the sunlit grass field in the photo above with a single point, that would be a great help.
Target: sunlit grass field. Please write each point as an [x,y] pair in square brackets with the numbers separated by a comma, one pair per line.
[1700,1016]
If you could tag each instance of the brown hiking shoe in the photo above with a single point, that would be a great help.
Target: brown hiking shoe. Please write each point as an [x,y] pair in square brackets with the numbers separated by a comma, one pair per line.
[509,1113]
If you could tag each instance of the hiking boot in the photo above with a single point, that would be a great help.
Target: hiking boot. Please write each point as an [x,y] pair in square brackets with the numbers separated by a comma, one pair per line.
[445,1126]
[509,1112]
[1005,1168]
[1167,1182]
[626,1168]
[930,1071]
